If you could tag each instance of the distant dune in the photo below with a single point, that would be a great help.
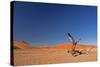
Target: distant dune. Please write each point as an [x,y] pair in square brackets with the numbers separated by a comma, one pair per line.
[18,44]
[68,45]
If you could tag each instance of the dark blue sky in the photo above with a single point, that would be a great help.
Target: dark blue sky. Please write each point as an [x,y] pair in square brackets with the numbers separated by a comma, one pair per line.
[42,23]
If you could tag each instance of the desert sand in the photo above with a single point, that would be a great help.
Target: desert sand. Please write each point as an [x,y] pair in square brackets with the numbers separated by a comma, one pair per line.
[25,54]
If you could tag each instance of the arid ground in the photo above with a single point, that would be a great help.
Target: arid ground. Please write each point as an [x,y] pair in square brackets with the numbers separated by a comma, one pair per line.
[25,54]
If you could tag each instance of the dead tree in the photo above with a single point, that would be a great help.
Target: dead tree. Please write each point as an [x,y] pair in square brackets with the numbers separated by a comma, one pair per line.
[74,43]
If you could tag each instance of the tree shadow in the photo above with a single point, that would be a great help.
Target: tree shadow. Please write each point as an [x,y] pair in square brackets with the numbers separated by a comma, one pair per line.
[75,53]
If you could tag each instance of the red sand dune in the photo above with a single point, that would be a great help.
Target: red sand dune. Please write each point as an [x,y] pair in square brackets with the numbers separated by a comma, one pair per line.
[68,45]
[23,45]
[50,54]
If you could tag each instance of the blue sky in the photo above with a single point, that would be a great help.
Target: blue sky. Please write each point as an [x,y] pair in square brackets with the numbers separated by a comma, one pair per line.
[47,24]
